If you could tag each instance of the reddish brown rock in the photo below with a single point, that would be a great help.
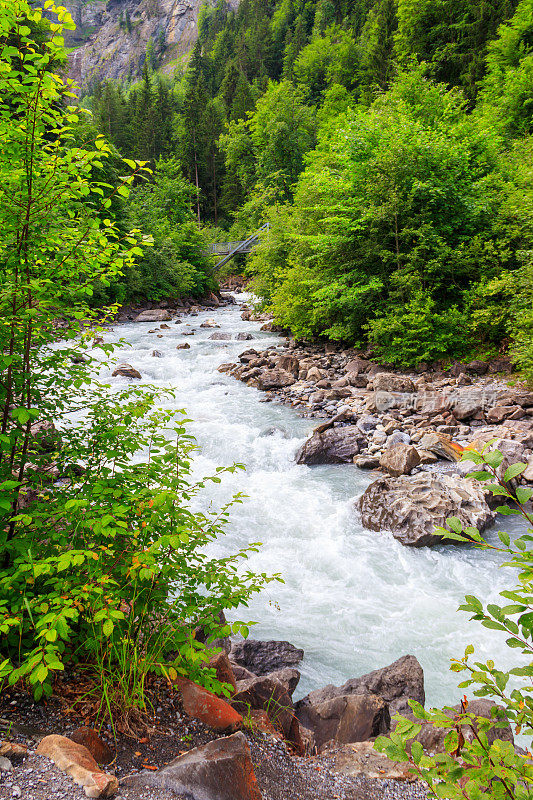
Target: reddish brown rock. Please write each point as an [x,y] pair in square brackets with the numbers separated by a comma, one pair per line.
[208,708]
[90,739]
[400,459]
[76,761]
[221,663]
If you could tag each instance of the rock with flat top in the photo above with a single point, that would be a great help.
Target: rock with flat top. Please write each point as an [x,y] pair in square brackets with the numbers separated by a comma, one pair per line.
[275,378]
[348,718]
[262,657]
[268,694]
[411,507]
[219,770]
[389,382]
[126,371]
[361,759]
[153,315]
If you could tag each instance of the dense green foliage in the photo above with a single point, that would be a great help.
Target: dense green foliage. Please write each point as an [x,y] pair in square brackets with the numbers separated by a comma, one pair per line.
[387,141]
[102,562]
[473,765]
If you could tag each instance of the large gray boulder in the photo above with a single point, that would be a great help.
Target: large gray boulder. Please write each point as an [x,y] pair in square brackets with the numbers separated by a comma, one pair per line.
[268,694]
[264,657]
[396,683]
[333,446]
[411,507]
[219,770]
[348,718]
[153,315]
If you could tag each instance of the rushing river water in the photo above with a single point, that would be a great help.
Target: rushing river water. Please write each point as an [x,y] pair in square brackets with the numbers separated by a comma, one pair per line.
[355,600]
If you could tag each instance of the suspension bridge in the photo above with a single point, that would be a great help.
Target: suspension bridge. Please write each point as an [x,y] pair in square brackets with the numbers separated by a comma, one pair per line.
[229,249]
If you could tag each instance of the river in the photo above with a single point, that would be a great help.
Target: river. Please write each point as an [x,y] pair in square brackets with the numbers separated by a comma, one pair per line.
[353,599]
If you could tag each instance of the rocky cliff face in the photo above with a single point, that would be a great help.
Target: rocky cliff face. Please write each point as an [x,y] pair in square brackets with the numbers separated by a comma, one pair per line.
[111,38]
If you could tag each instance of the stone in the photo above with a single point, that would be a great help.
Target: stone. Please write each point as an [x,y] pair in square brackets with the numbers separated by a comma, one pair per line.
[288,677]
[219,770]
[348,718]
[205,706]
[268,694]
[411,507]
[314,374]
[210,323]
[76,761]
[367,462]
[333,446]
[240,672]
[89,738]
[356,366]
[244,337]
[389,382]
[184,346]
[398,437]
[126,371]
[477,367]
[157,354]
[262,657]
[153,315]
[361,759]
[400,459]
[466,403]
[367,423]
[221,664]
[10,749]
[275,379]
[499,413]
[289,364]
[220,336]
[441,445]
[45,436]
[5,764]
[396,683]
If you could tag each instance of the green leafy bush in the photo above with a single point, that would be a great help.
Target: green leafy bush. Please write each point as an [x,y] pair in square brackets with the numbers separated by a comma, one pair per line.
[472,765]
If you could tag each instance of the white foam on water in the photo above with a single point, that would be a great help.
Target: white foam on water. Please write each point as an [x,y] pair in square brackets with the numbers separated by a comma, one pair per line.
[355,600]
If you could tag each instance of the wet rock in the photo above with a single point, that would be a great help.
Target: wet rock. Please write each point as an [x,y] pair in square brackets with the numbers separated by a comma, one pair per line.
[466,403]
[76,761]
[246,315]
[45,436]
[412,507]
[153,315]
[220,336]
[367,462]
[268,694]
[289,364]
[348,718]
[400,459]
[184,346]
[5,764]
[367,423]
[200,704]
[219,770]
[396,683]
[333,446]
[89,738]
[157,354]
[209,323]
[314,374]
[126,371]
[274,379]
[273,430]
[389,382]
[244,337]
[263,657]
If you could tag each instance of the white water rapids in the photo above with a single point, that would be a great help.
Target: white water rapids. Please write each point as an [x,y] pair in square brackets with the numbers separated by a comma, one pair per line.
[353,599]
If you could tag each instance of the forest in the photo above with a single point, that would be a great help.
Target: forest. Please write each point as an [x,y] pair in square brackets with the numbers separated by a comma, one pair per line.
[388,144]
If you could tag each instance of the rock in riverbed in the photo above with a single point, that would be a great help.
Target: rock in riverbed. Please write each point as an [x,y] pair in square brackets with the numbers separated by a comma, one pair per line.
[333,446]
[153,315]
[412,507]
[264,657]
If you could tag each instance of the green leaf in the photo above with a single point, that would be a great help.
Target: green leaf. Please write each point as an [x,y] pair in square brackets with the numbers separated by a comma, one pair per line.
[513,471]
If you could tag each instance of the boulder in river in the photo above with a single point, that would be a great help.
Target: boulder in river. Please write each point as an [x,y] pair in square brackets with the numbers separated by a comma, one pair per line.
[274,379]
[153,315]
[126,371]
[411,507]
[220,336]
[184,346]
[244,337]
[396,683]
[333,446]
[262,657]
[348,718]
